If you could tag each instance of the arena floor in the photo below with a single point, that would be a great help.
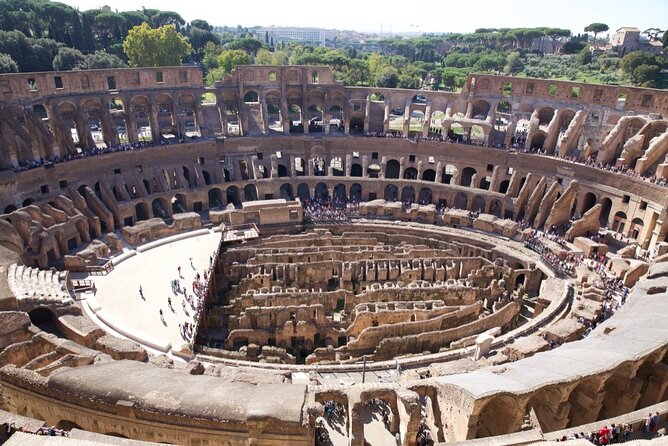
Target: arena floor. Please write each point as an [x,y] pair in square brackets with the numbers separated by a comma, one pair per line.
[123,310]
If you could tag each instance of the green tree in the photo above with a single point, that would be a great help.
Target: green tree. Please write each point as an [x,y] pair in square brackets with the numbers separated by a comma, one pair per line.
[514,63]
[584,56]
[7,64]
[596,28]
[147,47]
[201,24]
[646,75]
[248,44]
[101,59]
[69,59]
[388,78]
[229,59]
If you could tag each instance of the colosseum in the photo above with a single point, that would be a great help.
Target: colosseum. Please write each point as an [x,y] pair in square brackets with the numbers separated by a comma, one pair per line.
[280,259]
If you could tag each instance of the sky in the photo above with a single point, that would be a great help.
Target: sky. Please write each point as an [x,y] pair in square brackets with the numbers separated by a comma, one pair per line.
[422,16]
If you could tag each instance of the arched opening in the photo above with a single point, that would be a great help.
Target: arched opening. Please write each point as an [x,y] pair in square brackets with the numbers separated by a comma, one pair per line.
[619,222]
[67,425]
[416,123]
[232,196]
[319,167]
[485,183]
[44,319]
[251,97]
[303,192]
[141,109]
[274,119]
[496,208]
[606,206]
[477,135]
[336,120]
[300,167]
[159,207]
[429,175]
[408,195]
[519,280]
[179,204]
[449,172]
[28,202]
[356,125]
[207,178]
[286,191]
[282,171]
[538,140]
[426,196]
[501,415]
[480,110]
[436,123]
[461,201]
[250,192]
[321,192]
[337,166]
[339,195]
[141,210]
[355,170]
[589,202]
[503,186]
[545,116]
[478,204]
[377,97]
[166,123]
[410,173]
[295,119]
[391,193]
[467,177]
[356,192]
[636,228]
[392,169]
[582,399]
[9,209]
[315,118]
[215,198]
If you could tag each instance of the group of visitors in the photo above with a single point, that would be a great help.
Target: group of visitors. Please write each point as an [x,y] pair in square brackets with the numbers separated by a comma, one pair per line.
[339,211]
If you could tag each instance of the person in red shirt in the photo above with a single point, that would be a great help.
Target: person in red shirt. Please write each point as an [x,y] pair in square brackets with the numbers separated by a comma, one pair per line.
[604,435]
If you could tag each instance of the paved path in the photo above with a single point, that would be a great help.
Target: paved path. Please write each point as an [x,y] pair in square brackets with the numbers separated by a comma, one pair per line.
[153,270]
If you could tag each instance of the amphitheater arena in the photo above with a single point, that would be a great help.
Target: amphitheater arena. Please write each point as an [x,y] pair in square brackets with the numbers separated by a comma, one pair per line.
[363,261]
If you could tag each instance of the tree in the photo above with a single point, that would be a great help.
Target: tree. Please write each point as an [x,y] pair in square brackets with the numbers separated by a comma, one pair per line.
[596,28]
[584,56]
[229,59]
[388,78]
[101,60]
[69,59]
[642,67]
[513,63]
[248,44]
[7,64]
[646,75]
[147,47]
[201,24]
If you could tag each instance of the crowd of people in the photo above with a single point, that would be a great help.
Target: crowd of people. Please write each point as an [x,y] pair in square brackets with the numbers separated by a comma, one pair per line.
[337,211]
[94,151]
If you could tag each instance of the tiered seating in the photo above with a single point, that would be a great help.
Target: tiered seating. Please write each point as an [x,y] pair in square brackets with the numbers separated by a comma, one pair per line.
[33,283]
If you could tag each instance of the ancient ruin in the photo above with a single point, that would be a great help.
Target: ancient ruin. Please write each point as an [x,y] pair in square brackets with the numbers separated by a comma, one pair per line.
[368,263]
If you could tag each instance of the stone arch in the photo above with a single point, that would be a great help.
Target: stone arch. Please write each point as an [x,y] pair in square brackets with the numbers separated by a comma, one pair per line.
[10,208]
[356,125]
[545,115]
[615,388]
[28,202]
[69,114]
[408,194]
[583,399]
[251,97]
[373,170]
[496,208]
[283,171]
[286,191]
[392,169]
[356,170]
[416,122]
[429,175]
[480,110]
[391,193]
[141,211]
[321,192]
[545,403]
[426,196]
[388,399]
[503,186]
[467,176]
[449,173]
[606,206]
[461,201]
[300,166]
[500,415]
[339,194]
[250,192]
[538,140]
[478,204]
[160,207]
[377,97]
[140,107]
[215,196]
[619,222]
[295,118]
[588,202]
[356,192]
[410,173]
[303,192]
[485,183]
[636,228]
[166,124]
[67,425]
[232,196]
[338,168]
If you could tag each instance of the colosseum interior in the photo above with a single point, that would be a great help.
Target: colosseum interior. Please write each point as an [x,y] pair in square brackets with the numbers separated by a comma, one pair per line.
[359,264]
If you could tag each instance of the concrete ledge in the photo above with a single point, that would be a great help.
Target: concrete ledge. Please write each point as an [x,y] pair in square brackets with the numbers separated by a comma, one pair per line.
[130,332]
[173,238]
[123,257]
[92,302]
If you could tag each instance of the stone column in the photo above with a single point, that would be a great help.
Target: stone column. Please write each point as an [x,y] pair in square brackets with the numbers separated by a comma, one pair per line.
[365,166]
[427,121]
[349,163]
[386,118]
[402,167]
[439,172]
[367,113]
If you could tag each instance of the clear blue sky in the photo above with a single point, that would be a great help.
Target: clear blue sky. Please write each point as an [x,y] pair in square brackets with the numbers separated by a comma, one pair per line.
[412,15]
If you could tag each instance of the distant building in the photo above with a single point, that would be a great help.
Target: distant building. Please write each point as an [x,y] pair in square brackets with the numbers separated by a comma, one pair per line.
[317,36]
[628,39]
